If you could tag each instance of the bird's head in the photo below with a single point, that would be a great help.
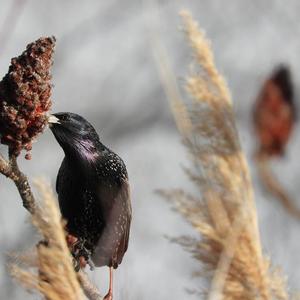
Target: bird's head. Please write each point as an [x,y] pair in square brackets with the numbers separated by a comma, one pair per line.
[75,135]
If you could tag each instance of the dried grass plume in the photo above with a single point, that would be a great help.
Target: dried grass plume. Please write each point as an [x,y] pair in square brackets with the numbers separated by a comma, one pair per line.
[53,275]
[224,212]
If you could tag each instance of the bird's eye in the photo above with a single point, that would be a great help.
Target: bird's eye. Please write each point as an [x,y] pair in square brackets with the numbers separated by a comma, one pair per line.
[64,118]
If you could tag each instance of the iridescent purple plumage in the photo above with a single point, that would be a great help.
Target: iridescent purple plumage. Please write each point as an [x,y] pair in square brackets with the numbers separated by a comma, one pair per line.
[93,191]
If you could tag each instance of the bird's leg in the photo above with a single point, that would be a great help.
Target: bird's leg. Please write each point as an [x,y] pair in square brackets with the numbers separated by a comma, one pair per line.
[109,295]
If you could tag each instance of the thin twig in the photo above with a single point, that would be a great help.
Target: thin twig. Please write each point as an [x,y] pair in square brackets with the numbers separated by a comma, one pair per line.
[22,185]
[5,169]
[274,187]
[11,170]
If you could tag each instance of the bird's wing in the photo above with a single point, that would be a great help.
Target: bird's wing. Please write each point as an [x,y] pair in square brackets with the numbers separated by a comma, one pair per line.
[127,221]
[113,242]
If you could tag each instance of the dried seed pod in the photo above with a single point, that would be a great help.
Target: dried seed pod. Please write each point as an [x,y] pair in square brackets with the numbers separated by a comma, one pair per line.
[25,95]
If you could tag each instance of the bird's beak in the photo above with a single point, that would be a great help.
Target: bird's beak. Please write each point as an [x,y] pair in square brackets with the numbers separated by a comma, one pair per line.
[53,120]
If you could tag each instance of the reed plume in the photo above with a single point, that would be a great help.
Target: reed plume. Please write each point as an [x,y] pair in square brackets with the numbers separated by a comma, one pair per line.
[224,212]
[53,273]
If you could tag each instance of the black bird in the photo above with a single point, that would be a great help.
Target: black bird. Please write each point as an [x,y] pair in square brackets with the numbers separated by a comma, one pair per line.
[93,193]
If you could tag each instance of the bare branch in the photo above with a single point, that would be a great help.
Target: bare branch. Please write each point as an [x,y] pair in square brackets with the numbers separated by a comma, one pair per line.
[11,170]
[22,184]
[5,169]
[89,289]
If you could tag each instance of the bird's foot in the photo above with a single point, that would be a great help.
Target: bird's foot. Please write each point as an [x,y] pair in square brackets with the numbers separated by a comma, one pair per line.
[81,255]
[108,296]
[71,240]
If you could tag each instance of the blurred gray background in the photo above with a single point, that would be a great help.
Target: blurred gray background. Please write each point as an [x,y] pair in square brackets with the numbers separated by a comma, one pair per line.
[104,70]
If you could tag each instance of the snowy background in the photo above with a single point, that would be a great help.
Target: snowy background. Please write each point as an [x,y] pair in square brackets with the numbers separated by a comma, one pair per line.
[104,70]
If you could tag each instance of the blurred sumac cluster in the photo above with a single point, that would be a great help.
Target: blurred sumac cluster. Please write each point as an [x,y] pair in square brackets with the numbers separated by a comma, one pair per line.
[275,113]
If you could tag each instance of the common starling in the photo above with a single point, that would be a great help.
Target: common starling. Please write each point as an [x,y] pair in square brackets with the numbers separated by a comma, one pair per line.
[93,193]
[275,113]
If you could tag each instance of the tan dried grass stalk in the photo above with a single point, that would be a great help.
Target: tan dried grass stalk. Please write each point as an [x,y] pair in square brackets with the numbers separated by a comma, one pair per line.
[274,186]
[54,276]
[225,214]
